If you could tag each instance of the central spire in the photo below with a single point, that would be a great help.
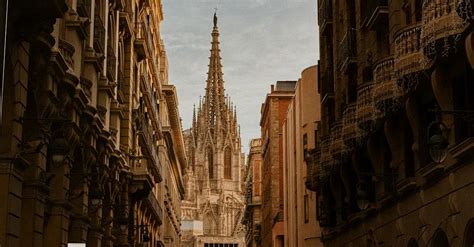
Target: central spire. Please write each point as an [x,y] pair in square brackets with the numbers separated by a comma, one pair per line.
[215,105]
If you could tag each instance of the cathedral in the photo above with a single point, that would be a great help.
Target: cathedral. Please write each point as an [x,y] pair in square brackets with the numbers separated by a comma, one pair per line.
[213,206]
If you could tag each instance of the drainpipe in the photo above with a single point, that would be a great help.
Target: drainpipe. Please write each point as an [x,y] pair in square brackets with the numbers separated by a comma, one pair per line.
[3,43]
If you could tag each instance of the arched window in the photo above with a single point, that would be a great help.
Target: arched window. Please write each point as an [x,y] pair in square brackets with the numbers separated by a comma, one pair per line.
[228,163]
[440,239]
[412,243]
[209,225]
[469,234]
[210,162]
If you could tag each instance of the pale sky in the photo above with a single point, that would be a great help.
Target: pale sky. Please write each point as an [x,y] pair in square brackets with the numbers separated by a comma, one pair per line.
[261,41]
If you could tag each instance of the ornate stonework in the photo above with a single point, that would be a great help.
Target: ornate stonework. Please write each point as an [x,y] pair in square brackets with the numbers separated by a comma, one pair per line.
[213,206]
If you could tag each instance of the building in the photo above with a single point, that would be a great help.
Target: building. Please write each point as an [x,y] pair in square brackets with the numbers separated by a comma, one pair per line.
[253,195]
[91,144]
[213,207]
[396,161]
[273,114]
[299,134]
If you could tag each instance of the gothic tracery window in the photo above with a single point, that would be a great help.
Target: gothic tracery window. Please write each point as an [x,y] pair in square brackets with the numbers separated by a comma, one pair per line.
[227,163]
[210,162]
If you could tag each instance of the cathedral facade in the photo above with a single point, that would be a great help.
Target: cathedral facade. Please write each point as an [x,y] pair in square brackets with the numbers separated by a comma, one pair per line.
[213,206]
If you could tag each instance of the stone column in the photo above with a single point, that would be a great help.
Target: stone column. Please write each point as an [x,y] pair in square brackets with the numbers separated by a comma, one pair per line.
[393,129]
[34,200]
[95,233]
[377,149]
[417,123]
[12,166]
[56,231]
[443,92]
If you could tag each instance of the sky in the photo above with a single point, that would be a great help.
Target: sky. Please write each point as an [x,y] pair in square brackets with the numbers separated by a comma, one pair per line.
[261,42]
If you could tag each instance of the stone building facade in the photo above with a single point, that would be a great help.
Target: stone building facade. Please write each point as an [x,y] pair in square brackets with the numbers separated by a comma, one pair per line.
[213,207]
[273,114]
[395,157]
[299,133]
[253,195]
[91,144]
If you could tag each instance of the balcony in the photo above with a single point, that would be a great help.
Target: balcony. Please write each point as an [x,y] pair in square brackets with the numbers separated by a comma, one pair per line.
[99,35]
[326,85]
[126,17]
[465,10]
[141,182]
[409,64]
[347,51]
[83,8]
[140,45]
[350,130]
[442,27]
[313,171]
[326,160]
[155,207]
[151,103]
[337,147]
[325,16]
[377,14]
[148,141]
[387,94]
[366,113]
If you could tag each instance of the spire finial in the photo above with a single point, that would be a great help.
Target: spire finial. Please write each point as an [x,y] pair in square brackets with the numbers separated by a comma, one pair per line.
[215,17]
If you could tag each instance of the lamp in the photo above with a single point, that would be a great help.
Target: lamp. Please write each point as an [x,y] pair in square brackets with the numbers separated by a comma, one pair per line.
[438,140]
[59,149]
[362,199]
[438,133]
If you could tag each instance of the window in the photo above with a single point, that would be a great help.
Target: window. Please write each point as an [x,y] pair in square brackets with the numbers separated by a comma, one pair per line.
[407,11]
[305,139]
[210,162]
[228,163]
[306,209]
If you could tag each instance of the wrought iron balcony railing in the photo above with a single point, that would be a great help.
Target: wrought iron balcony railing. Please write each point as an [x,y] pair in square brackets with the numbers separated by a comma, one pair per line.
[325,16]
[149,141]
[366,113]
[376,12]
[347,50]
[350,130]
[326,160]
[387,93]
[441,29]
[151,102]
[337,147]
[326,84]
[409,64]
[313,171]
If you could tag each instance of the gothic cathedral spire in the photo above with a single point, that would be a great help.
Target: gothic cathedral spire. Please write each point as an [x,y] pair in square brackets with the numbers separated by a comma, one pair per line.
[215,105]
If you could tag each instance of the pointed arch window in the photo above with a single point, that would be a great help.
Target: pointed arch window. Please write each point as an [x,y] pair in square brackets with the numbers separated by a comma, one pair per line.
[228,163]
[210,162]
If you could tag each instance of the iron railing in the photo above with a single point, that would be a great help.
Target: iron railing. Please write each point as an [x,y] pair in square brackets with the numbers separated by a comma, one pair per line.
[325,13]
[347,49]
